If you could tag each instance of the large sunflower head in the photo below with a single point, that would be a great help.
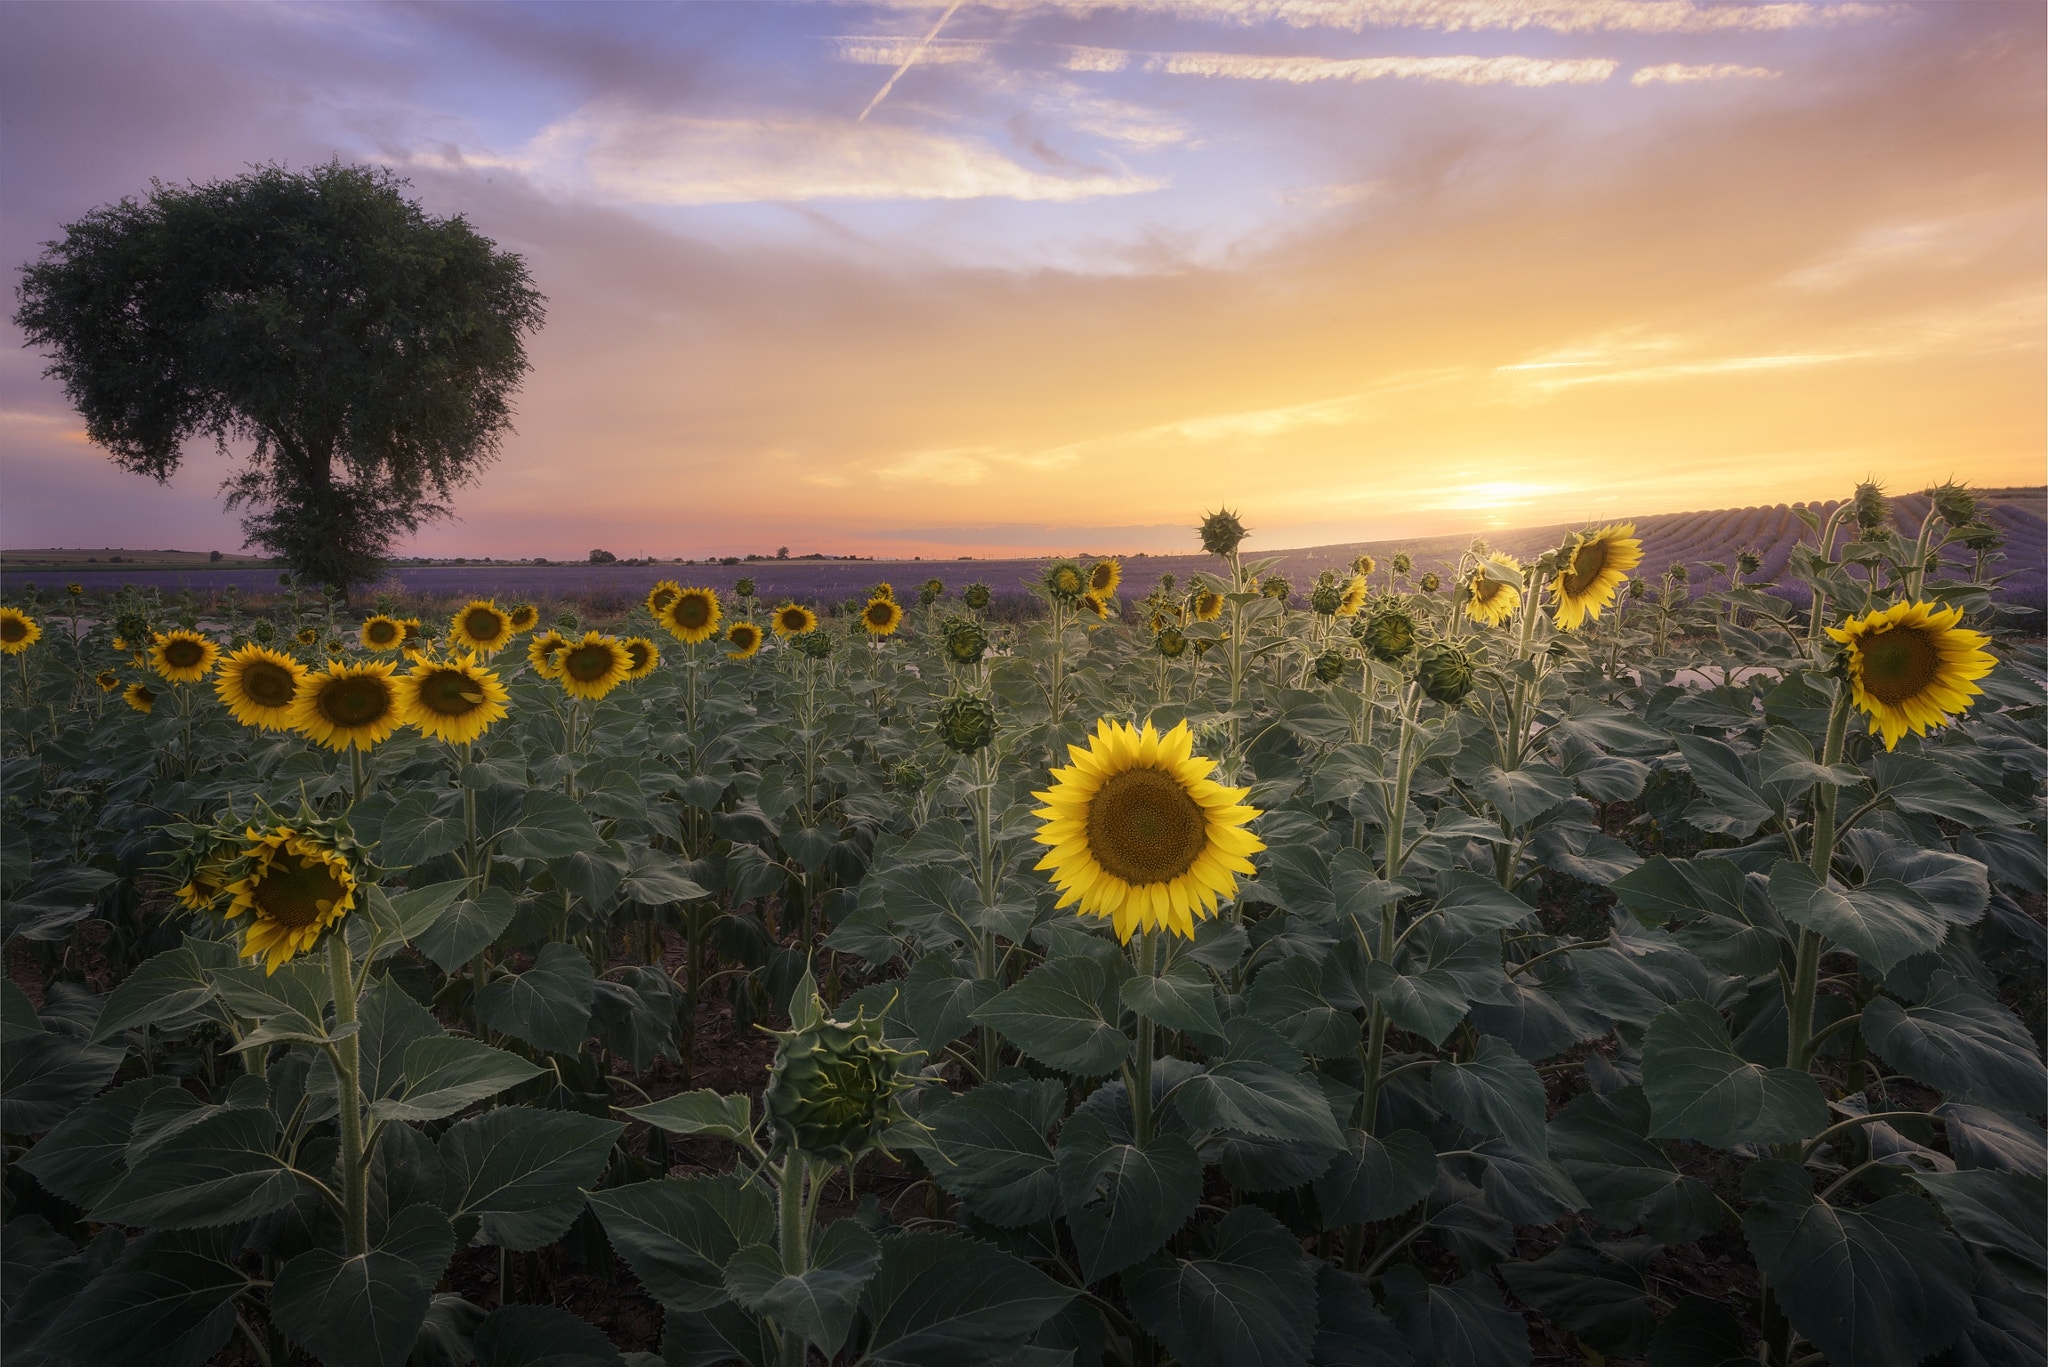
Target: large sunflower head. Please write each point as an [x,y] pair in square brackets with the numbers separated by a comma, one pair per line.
[481,626]
[664,592]
[693,616]
[1104,576]
[1493,595]
[524,617]
[259,686]
[594,666]
[1590,570]
[297,886]
[1911,667]
[381,633]
[1140,834]
[1208,606]
[455,700]
[793,619]
[139,697]
[544,653]
[183,657]
[644,656]
[745,639]
[348,705]
[881,617]
[1354,596]
[18,631]
[1221,532]
[1065,582]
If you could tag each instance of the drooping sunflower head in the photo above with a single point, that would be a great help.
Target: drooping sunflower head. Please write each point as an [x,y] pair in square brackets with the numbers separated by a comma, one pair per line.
[1390,635]
[1363,564]
[593,666]
[881,617]
[931,592]
[1171,642]
[661,595]
[978,596]
[793,619]
[19,631]
[1429,583]
[745,639]
[1095,605]
[348,705]
[297,886]
[693,616]
[455,700]
[1065,582]
[1104,576]
[183,657]
[481,626]
[1330,666]
[965,641]
[1591,567]
[524,617]
[1495,590]
[259,686]
[1276,587]
[139,697]
[1403,564]
[1326,597]
[1354,596]
[108,680]
[813,645]
[1911,668]
[381,633]
[643,655]
[966,723]
[544,652]
[1221,532]
[1446,672]
[743,587]
[1140,834]
[1208,605]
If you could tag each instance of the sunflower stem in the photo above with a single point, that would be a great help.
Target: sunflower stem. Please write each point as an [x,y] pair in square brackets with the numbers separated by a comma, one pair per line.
[1799,1002]
[792,1215]
[347,1058]
[1141,1079]
[360,772]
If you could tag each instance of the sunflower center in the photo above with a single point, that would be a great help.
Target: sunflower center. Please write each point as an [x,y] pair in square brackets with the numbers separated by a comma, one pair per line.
[268,685]
[663,597]
[183,654]
[1587,564]
[450,693]
[483,625]
[878,614]
[638,650]
[693,611]
[298,897]
[1485,590]
[359,700]
[384,633]
[793,621]
[1898,663]
[586,664]
[13,629]
[1098,578]
[1144,828]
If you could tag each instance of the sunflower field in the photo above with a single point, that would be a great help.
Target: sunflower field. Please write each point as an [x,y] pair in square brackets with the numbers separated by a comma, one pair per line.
[1535,962]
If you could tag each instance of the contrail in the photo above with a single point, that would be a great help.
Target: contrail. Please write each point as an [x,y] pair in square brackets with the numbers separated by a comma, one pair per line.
[923,43]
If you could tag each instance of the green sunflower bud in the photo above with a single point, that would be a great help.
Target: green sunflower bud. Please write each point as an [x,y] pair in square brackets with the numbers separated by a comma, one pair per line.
[264,632]
[1171,643]
[1390,635]
[932,591]
[1446,673]
[907,774]
[1954,504]
[1221,532]
[1329,666]
[743,587]
[1679,574]
[1402,564]
[1748,562]
[1873,510]
[812,645]
[1636,588]
[1326,599]
[1065,582]
[1277,588]
[967,723]
[978,597]
[1430,582]
[966,642]
[833,1088]
[1981,536]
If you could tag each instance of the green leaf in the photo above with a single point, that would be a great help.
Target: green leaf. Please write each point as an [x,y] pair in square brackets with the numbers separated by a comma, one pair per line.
[1882,922]
[1123,1200]
[28,1244]
[86,1154]
[18,1015]
[1725,917]
[1464,1323]
[415,830]
[939,1300]
[1251,1096]
[939,1001]
[703,1112]
[1498,1092]
[1060,1015]
[289,1005]
[548,1006]
[445,1074]
[216,1166]
[817,1304]
[160,989]
[1524,794]
[168,1302]
[1350,1330]
[1700,1088]
[992,1150]
[447,1333]
[1182,998]
[45,1077]
[1995,1211]
[550,826]
[365,1311]
[1883,1286]
[1250,1304]
[1733,806]
[1968,1046]
[1786,757]
[1472,904]
[658,880]
[1956,887]
[1981,1138]
[1288,996]
[1582,1287]
[1376,1178]
[467,928]
[517,1160]
[392,1023]
[1923,788]
[1601,1143]
[1701,1333]
[418,910]
[533,1335]
[1440,976]
[1525,1188]
[678,1233]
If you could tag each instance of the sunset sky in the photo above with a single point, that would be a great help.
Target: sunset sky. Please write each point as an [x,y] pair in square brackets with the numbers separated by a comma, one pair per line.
[1078,271]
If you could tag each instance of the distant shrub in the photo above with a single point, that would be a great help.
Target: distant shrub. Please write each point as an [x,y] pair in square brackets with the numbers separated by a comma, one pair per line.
[603,558]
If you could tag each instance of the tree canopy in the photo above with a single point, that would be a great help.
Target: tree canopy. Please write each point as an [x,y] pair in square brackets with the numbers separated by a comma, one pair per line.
[367,350]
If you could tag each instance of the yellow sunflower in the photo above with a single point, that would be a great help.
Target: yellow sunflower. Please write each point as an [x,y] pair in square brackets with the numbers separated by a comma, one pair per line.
[1354,596]
[308,635]
[1141,834]
[543,653]
[881,617]
[19,631]
[183,657]
[1364,565]
[1208,606]
[884,590]
[1104,576]
[1911,666]
[204,888]
[1595,564]
[644,656]
[296,889]
[108,680]
[661,595]
[745,640]
[259,686]
[524,617]
[348,705]
[793,619]
[455,700]
[483,627]
[1096,605]
[381,633]
[139,697]
[692,617]
[1488,601]
[594,666]
[120,643]
[411,627]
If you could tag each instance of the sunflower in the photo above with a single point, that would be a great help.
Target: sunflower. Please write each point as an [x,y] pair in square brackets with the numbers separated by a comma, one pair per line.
[1363,565]
[411,627]
[1104,576]
[745,640]
[381,633]
[482,626]
[884,590]
[692,617]
[1354,596]
[793,619]
[595,665]
[1140,833]
[881,617]
[661,595]
[19,631]
[108,680]
[308,635]
[204,887]
[1096,605]
[1911,666]
[1208,606]
[1065,582]
[543,652]
[643,655]
[524,617]
[183,657]
[1490,601]
[139,697]
[1594,564]
[454,700]
[348,705]
[1221,532]
[296,889]
[259,685]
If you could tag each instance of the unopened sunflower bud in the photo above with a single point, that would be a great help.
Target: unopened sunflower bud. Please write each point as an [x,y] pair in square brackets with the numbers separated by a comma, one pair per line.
[834,1087]
[977,596]
[1873,510]
[1981,536]
[966,642]
[1446,673]
[1954,504]
[967,723]
[1402,564]
[1390,635]
[1277,588]
[1221,532]
[1329,666]
[1326,598]
[1748,562]
[1430,582]
[1171,643]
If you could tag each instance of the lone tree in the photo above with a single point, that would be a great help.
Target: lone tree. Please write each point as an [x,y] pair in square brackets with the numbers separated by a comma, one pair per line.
[367,350]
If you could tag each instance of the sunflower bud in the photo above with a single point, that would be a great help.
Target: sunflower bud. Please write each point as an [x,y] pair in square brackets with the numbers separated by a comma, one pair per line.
[1748,562]
[1954,503]
[263,633]
[743,587]
[1873,510]
[565,620]
[1636,589]
[966,642]
[1446,673]
[1166,582]
[967,723]
[1326,598]
[1221,532]
[1981,536]
[1429,583]
[1679,574]
[1402,564]
[1277,588]
[1390,635]
[1065,582]
[932,591]
[1329,666]
[978,597]
[907,774]
[812,645]
[1171,643]
[833,1088]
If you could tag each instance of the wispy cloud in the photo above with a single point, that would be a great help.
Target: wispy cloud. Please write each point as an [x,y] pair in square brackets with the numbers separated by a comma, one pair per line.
[885,51]
[1523,71]
[1678,73]
[1452,16]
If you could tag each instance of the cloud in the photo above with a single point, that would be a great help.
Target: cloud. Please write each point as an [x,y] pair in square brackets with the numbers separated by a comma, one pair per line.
[1677,73]
[1946,242]
[1453,16]
[1523,71]
[1095,59]
[881,51]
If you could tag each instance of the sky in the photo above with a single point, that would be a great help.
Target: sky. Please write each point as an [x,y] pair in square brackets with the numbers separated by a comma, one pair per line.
[1043,276]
